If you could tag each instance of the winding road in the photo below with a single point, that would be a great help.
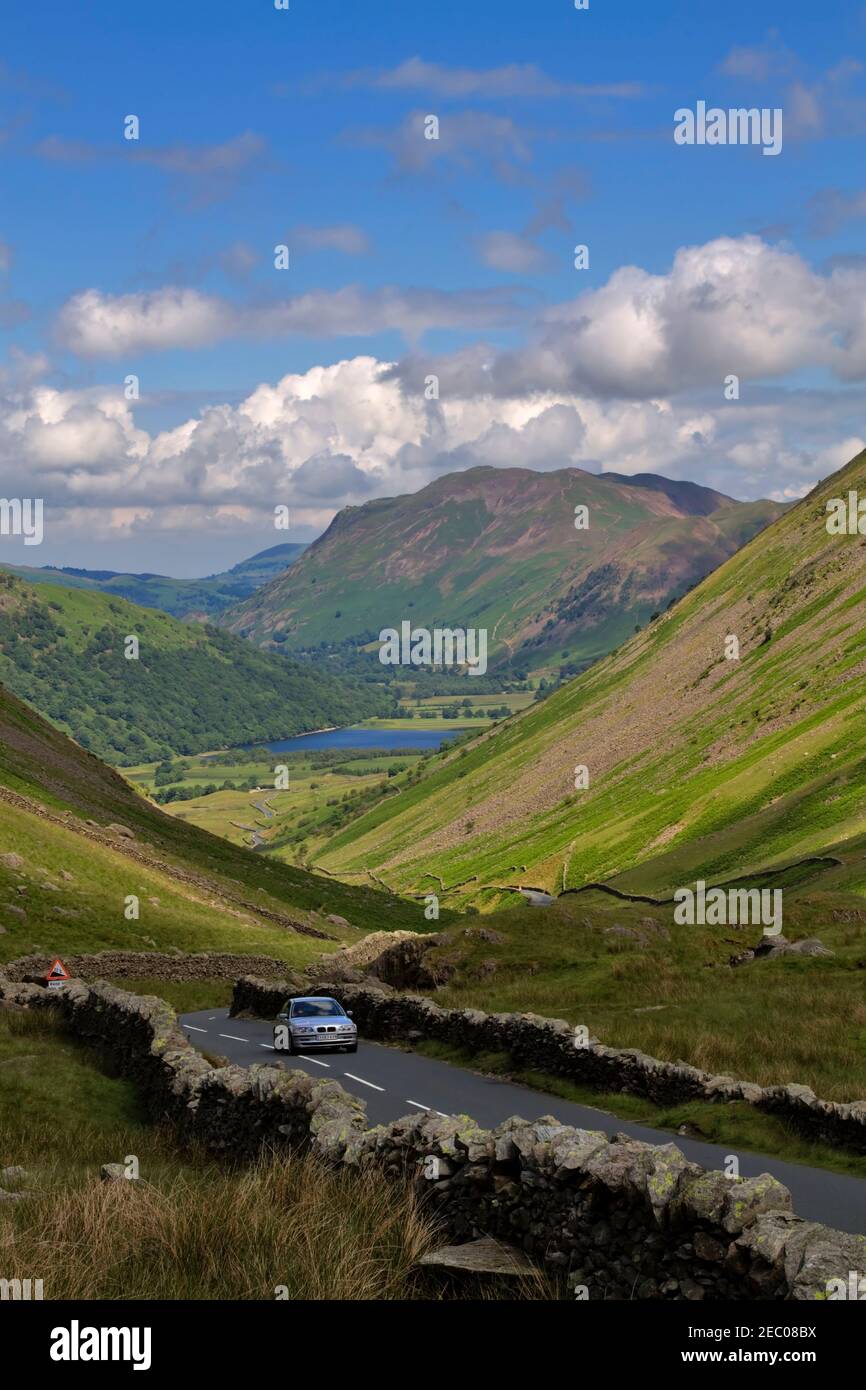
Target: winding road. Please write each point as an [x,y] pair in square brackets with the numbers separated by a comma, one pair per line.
[393,1082]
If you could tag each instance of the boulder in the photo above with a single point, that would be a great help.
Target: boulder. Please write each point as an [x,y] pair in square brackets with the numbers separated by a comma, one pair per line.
[484,1256]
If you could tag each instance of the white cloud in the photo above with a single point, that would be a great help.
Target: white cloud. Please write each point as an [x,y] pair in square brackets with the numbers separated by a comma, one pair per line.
[100,325]
[350,431]
[628,377]
[732,306]
[93,324]
[200,173]
[508,251]
[466,141]
[513,80]
[344,237]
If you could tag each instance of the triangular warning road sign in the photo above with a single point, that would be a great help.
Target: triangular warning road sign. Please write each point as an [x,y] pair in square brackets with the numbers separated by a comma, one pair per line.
[58,971]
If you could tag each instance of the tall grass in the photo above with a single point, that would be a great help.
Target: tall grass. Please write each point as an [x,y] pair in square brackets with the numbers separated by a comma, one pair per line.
[287,1225]
[191,1228]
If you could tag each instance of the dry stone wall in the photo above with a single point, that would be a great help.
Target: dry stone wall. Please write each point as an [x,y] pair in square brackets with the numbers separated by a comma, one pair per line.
[548,1044]
[623,1219]
[157,965]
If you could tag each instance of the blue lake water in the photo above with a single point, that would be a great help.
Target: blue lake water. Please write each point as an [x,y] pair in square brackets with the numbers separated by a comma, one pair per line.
[410,737]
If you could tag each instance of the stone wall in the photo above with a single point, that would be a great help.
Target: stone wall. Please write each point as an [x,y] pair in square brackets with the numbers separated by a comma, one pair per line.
[157,965]
[547,1044]
[624,1219]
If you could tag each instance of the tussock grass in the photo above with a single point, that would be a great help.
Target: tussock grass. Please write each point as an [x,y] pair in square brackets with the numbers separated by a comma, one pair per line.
[285,1227]
[191,1228]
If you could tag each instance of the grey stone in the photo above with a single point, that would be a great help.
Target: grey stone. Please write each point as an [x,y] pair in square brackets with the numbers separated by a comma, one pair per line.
[484,1256]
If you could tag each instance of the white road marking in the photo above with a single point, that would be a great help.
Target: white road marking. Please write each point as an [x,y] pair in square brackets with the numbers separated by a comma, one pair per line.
[372,1086]
[193,1029]
[418,1103]
[211,1017]
[299,1054]
[233,1036]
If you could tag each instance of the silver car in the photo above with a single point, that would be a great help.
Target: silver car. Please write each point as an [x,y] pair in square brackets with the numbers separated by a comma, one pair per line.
[310,1022]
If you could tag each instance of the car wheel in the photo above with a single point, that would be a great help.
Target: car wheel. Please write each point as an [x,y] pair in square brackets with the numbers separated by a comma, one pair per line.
[352,1048]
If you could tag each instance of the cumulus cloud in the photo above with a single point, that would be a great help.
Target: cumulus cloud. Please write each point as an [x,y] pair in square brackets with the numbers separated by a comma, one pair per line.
[341,434]
[628,377]
[733,305]
[93,324]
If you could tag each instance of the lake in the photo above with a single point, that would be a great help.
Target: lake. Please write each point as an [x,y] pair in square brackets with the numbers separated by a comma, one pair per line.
[419,739]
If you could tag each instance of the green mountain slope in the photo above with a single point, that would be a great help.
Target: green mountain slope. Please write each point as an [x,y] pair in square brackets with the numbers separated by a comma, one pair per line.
[498,549]
[65,874]
[182,598]
[698,765]
[192,687]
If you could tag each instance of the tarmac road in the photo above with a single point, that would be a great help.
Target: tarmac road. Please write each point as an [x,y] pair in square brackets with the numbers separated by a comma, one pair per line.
[393,1082]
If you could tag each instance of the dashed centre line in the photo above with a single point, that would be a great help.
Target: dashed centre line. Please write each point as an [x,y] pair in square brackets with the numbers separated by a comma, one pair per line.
[317,1061]
[427,1107]
[371,1084]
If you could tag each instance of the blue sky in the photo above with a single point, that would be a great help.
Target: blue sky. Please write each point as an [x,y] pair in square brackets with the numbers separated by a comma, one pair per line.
[304,127]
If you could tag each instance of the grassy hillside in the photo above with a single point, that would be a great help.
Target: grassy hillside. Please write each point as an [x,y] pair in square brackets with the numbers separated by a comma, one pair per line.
[201,598]
[498,549]
[697,763]
[191,688]
[65,875]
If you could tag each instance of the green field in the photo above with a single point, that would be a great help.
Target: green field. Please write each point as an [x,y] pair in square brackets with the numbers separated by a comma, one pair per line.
[319,782]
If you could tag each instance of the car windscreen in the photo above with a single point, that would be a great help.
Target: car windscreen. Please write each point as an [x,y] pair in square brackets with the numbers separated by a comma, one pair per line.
[316,1008]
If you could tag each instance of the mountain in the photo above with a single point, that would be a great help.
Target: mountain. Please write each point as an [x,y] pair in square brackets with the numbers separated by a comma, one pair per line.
[498,549]
[698,764]
[199,598]
[77,839]
[191,688]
